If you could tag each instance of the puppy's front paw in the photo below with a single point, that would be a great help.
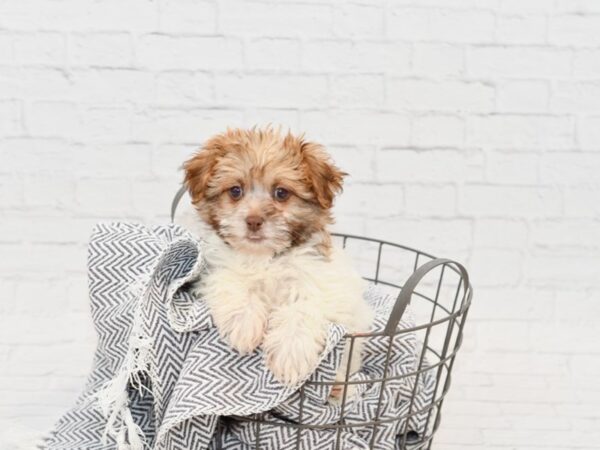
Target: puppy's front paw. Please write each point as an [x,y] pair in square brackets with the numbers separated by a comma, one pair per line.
[241,323]
[293,358]
[293,344]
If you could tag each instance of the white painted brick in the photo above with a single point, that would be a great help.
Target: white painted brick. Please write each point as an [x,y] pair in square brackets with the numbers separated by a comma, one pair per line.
[550,270]
[528,7]
[101,49]
[6,49]
[589,133]
[286,119]
[354,20]
[513,167]
[496,267]
[183,88]
[586,63]
[363,57]
[358,162]
[271,91]
[500,233]
[24,82]
[585,301]
[523,96]
[518,363]
[400,166]
[109,15]
[253,18]
[191,16]
[25,228]
[574,29]
[27,156]
[424,24]
[553,234]
[516,335]
[99,198]
[182,126]
[49,190]
[512,201]
[521,131]
[440,96]
[352,91]
[521,29]
[78,291]
[116,86]
[168,52]
[381,200]
[576,6]
[518,62]
[343,224]
[563,338]
[167,159]
[11,192]
[53,119]
[460,437]
[47,259]
[357,127]
[430,201]
[391,57]
[10,118]
[272,54]
[101,159]
[152,199]
[21,15]
[576,97]
[438,130]
[107,124]
[501,303]
[40,48]
[449,237]
[438,60]
[40,298]
[582,200]
[563,168]
[452,4]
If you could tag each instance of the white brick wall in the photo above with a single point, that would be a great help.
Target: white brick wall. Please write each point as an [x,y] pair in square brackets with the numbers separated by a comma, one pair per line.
[471,129]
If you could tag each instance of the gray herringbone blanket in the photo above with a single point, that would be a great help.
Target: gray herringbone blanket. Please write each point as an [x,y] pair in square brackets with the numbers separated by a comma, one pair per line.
[163,379]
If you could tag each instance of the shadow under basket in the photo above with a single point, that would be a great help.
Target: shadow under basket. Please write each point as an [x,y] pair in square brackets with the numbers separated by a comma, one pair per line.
[439,294]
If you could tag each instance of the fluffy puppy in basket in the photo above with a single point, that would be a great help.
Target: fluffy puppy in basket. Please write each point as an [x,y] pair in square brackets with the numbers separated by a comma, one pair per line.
[274,279]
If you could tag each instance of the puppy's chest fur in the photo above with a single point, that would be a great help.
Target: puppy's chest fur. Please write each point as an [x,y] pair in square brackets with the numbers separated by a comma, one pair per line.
[300,275]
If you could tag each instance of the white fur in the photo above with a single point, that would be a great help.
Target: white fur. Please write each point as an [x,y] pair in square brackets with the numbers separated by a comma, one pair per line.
[284,303]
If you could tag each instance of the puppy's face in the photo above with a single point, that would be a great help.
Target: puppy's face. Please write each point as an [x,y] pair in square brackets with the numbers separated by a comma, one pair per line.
[263,192]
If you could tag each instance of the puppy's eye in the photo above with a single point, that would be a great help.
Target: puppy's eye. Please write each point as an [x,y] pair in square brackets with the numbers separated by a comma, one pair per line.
[281,194]
[236,192]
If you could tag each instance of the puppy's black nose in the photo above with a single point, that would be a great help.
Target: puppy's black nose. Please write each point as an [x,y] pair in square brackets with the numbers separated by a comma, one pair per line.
[254,222]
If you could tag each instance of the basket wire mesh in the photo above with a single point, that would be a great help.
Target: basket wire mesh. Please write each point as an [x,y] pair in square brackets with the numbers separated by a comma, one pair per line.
[440,294]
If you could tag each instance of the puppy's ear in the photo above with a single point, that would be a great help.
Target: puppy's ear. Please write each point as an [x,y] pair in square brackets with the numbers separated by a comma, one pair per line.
[324,177]
[200,167]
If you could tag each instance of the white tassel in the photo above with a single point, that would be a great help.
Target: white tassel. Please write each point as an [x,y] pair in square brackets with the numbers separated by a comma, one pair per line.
[135,435]
[113,399]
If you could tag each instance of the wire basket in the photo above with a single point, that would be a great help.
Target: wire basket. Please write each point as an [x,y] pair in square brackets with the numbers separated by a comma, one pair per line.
[439,294]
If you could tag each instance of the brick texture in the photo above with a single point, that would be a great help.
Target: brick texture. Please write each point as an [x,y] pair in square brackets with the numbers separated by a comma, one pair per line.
[470,129]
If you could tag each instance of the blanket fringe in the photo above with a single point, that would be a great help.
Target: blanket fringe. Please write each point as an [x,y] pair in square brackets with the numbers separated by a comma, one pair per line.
[113,398]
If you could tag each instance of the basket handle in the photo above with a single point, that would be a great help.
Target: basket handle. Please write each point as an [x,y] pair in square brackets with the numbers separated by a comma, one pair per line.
[176,200]
[409,287]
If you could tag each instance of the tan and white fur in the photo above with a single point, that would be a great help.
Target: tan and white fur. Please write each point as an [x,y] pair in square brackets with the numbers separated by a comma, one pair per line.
[274,279]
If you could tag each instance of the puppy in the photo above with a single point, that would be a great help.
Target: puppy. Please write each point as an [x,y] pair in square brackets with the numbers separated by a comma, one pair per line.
[274,279]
